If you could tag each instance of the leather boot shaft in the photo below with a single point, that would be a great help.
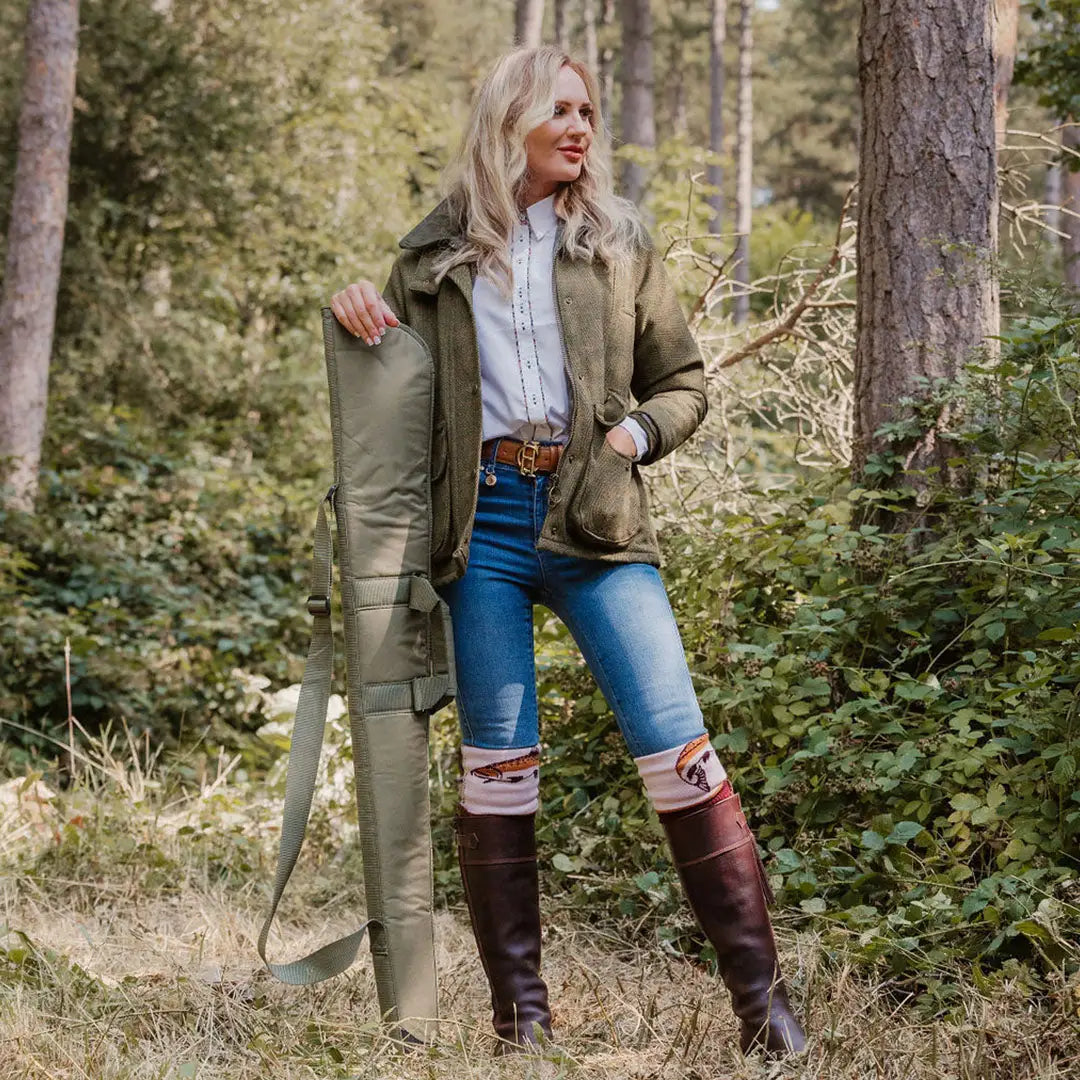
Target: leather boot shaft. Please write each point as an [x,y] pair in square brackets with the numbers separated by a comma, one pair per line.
[716,856]
[497,856]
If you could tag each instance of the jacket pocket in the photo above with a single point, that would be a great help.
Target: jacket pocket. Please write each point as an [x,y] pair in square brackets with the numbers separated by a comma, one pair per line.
[440,487]
[606,511]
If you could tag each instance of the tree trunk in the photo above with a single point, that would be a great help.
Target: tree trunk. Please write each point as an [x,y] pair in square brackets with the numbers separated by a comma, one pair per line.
[744,151]
[638,125]
[714,176]
[677,85]
[607,60]
[528,22]
[36,240]
[926,295]
[592,54]
[562,24]
[1070,200]
[1006,22]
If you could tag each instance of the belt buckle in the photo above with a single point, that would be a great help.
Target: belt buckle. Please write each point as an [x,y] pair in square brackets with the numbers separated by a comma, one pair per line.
[526,458]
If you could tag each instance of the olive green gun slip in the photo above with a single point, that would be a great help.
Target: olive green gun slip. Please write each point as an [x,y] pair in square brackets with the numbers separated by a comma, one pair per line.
[399,665]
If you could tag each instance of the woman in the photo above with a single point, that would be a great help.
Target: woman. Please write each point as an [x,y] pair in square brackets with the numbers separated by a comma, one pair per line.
[547,309]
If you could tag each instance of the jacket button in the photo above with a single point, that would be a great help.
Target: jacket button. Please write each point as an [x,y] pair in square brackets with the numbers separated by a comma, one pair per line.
[476,389]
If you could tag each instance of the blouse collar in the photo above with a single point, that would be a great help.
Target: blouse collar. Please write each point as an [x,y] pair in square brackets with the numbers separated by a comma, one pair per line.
[542,217]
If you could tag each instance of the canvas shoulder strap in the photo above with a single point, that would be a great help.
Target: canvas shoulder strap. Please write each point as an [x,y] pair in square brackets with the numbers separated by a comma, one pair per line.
[303,767]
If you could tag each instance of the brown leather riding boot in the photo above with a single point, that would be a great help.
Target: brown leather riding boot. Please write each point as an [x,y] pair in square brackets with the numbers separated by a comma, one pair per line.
[497,855]
[717,859]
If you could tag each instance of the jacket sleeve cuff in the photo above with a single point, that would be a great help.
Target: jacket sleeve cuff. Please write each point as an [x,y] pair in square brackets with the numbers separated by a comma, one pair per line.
[638,434]
[644,423]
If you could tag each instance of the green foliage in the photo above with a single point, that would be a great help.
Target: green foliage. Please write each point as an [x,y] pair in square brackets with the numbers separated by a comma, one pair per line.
[1050,61]
[165,569]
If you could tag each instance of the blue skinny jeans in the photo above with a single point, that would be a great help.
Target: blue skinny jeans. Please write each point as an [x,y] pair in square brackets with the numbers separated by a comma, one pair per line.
[618,613]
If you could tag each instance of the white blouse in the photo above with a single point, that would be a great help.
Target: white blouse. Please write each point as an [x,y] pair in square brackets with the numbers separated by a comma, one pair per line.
[523,386]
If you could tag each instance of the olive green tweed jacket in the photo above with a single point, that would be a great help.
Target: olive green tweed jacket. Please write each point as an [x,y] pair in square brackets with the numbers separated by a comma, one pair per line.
[628,351]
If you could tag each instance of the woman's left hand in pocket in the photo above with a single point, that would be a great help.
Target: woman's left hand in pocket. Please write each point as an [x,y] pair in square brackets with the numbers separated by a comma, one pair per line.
[622,442]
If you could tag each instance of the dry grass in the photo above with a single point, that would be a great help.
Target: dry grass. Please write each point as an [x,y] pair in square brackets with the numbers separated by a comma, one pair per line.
[130,953]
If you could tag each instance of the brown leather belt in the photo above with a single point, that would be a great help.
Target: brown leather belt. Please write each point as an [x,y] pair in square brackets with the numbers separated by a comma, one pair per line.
[530,457]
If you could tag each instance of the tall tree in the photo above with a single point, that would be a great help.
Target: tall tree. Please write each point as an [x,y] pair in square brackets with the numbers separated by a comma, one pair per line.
[528,22]
[1006,24]
[638,108]
[715,174]
[588,25]
[927,229]
[1051,63]
[1070,201]
[562,24]
[36,240]
[744,153]
[607,58]
[807,148]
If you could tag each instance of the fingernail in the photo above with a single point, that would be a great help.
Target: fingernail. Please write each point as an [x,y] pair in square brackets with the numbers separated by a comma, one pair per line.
[378,339]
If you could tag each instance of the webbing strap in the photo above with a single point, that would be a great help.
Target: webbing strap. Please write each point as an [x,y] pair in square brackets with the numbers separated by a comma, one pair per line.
[303,769]
[406,590]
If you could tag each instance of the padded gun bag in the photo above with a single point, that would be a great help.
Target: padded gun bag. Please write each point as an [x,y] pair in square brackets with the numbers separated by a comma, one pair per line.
[399,664]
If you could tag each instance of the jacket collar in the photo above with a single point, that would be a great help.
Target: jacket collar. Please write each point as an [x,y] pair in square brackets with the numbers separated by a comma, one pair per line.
[439,225]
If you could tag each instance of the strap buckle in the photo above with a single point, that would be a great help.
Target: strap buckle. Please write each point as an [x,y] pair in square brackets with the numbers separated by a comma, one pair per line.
[526,458]
[318,604]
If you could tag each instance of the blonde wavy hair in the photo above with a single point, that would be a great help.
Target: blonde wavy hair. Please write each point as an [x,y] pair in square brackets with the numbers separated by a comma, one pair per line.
[489,172]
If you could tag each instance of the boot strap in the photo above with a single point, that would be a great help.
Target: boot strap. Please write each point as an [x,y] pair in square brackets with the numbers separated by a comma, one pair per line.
[718,852]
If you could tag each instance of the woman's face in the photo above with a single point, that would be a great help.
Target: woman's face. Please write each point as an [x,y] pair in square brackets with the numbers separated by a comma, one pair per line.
[557,147]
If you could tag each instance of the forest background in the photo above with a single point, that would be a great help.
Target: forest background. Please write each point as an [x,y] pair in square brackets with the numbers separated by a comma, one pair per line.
[888,658]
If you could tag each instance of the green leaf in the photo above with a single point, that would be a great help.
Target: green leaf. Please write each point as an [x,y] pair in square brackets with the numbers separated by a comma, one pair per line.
[563,862]
[873,841]
[737,741]
[904,831]
[965,802]
[1065,769]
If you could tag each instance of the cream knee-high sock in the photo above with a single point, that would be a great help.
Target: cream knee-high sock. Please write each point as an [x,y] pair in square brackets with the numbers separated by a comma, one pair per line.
[683,775]
[500,781]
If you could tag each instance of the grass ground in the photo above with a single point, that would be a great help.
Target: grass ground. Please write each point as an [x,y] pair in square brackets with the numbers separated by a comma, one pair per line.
[129,915]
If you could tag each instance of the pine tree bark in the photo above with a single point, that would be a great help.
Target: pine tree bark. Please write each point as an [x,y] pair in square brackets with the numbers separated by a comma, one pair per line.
[927,295]
[1070,200]
[528,22]
[714,175]
[744,153]
[638,109]
[35,240]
